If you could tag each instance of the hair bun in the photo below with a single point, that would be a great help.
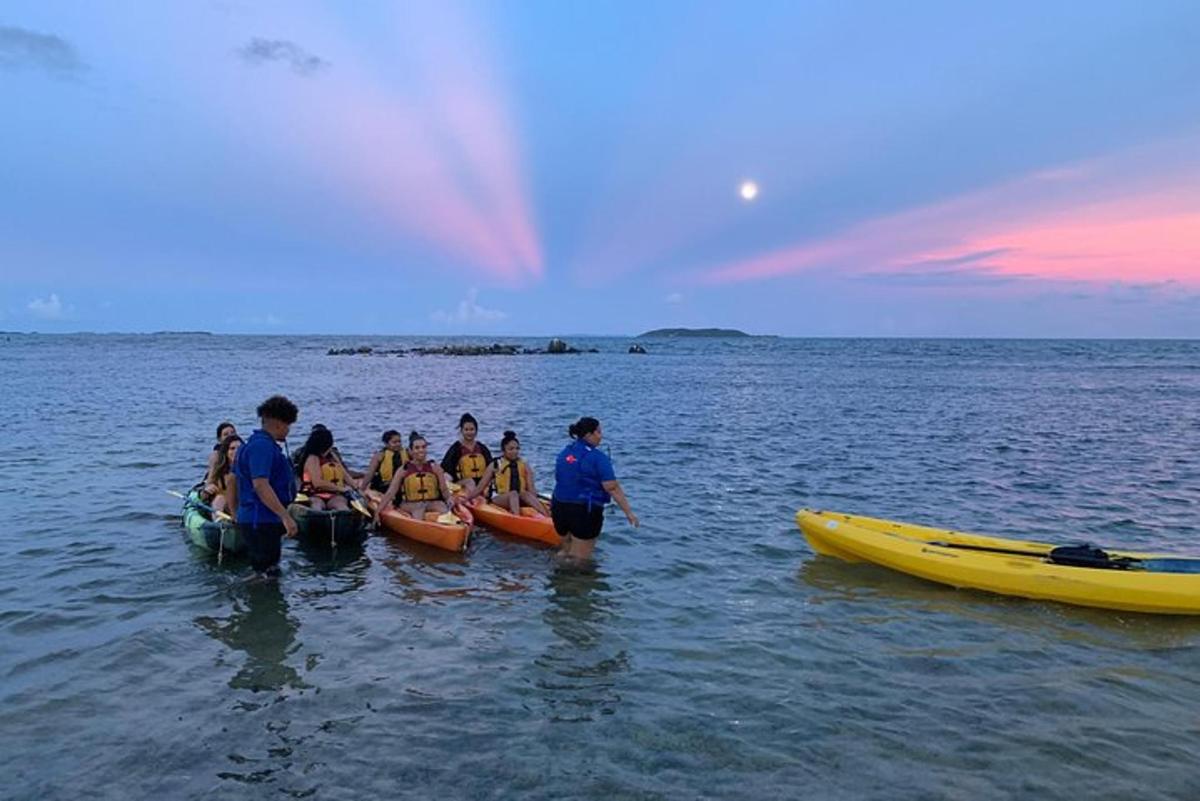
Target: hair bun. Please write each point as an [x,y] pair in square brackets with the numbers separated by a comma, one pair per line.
[510,434]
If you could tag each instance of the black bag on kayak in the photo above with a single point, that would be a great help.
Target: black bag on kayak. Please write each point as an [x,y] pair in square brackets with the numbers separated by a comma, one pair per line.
[1088,555]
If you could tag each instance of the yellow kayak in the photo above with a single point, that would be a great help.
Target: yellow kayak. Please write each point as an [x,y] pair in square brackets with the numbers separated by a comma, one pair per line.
[1081,575]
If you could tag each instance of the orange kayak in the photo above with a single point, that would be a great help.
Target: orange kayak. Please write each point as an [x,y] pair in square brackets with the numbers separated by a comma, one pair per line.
[530,524]
[447,536]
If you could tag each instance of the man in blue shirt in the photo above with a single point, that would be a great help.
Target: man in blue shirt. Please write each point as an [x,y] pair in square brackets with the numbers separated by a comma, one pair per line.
[265,484]
[584,481]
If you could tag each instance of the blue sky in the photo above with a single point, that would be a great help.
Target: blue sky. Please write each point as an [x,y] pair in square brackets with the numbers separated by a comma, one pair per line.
[925,169]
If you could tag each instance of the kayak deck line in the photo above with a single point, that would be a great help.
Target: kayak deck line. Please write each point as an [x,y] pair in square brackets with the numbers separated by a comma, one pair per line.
[1136,582]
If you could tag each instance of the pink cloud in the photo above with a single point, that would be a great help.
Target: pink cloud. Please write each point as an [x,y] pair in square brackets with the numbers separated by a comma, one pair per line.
[1091,222]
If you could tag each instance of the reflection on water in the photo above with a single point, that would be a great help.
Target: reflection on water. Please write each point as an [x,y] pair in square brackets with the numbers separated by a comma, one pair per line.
[261,627]
[582,662]
[885,593]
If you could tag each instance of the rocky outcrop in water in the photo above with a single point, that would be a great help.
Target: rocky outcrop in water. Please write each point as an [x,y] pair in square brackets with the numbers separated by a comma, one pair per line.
[495,349]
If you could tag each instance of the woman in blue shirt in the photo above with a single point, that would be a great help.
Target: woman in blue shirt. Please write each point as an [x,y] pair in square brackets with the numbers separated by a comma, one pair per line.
[584,483]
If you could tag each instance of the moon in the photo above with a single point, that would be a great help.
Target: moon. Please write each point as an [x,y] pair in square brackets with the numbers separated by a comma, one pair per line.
[748,190]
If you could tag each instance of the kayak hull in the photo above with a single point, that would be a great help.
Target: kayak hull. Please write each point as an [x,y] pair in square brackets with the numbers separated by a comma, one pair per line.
[206,533]
[452,537]
[529,525]
[925,552]
[341,528]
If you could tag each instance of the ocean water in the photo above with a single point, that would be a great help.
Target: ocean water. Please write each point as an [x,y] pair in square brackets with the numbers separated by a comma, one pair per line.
[709,655]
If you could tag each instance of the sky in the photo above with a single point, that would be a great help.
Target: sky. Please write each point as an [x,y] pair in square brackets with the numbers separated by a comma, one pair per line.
[1018,169]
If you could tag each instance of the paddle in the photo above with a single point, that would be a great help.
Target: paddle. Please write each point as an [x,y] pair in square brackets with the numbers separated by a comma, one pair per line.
[1067,555]
[202,505]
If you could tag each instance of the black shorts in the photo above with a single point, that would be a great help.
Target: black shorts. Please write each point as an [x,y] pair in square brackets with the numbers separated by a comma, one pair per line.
[577,519]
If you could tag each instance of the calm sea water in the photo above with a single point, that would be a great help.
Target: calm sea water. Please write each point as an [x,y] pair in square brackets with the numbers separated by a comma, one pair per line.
[711,655]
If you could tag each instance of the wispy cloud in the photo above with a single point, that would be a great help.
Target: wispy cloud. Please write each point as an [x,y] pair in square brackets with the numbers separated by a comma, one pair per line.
[260,51]
[21,48]
[48,308]
[469,311]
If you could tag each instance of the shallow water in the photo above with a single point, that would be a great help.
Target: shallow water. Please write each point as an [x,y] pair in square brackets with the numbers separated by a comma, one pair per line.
[710,654]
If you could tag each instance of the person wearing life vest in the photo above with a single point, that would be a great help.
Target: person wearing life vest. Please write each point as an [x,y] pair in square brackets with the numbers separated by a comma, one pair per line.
[386,462]
[322,476]
[467,459]
[510,479]
[584,482]
[224,429]
[421,486]
[222,472]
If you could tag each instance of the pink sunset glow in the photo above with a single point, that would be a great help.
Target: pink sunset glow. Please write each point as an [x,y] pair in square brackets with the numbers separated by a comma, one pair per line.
[1047,226]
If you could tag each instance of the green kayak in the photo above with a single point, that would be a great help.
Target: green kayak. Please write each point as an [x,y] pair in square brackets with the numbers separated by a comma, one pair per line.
[206,533]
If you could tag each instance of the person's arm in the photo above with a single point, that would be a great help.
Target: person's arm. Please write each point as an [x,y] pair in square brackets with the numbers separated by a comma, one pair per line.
[231,496]
[541,506]
[450,460]
[613,488]
[346,471]
[389,497]
[484,482]
[266,494]
[444,483]
[371,468]
[603,467]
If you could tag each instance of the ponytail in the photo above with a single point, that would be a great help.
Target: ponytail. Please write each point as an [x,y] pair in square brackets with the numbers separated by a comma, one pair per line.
[582,427]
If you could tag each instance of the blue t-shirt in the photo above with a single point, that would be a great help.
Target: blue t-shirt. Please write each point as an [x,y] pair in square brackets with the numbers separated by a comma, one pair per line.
[579,474]
[261,457]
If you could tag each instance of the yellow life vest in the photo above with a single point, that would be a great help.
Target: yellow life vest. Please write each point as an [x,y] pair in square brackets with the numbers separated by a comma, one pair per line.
[390,463]
[420,483]
[503,472]
[471,465]
[331,470]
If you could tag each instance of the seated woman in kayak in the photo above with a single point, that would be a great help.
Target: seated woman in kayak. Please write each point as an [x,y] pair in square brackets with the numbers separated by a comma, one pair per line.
[224,429]
[386,462]
[421,486]
[352,477]
[322,476]
[467,459]
[222,472]
[510,479]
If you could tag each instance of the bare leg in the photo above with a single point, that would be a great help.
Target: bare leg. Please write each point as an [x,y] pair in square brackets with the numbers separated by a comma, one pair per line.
[337,502]
[416,509]
[564,550]
[315,503]
[581,550]
[534,502]
[218,504]
[510,499]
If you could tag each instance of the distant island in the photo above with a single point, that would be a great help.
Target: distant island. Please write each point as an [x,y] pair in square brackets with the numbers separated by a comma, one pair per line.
[694,332]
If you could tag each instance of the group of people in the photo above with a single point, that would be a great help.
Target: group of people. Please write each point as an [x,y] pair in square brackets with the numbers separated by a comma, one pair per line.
[253,480]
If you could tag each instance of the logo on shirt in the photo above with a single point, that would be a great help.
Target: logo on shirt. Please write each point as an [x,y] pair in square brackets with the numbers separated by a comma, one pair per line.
[571,458]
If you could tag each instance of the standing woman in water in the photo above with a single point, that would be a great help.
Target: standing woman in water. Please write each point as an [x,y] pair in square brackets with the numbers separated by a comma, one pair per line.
[584,483]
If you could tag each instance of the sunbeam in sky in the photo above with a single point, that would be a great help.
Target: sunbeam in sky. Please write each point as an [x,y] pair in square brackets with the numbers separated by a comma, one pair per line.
[388,158]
